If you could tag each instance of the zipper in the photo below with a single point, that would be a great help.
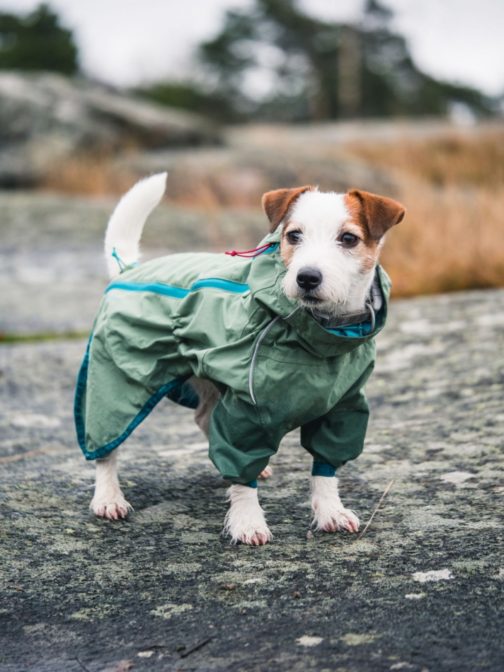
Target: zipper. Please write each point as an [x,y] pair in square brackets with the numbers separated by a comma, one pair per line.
[257,345]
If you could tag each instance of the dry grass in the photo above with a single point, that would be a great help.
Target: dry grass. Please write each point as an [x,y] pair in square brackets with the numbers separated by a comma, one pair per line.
[92,175]
[457,158]
[451,239]
[453,188]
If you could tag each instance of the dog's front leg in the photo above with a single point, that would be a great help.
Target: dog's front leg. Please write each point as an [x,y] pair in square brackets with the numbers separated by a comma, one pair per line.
[108,501]
[329,514]
[245,521]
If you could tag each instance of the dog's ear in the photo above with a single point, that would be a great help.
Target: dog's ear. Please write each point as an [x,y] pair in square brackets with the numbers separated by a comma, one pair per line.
[277,203]
[377,213]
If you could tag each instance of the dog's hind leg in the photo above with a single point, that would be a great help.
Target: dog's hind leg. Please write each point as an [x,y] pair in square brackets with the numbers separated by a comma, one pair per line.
[208,395]
[109,501]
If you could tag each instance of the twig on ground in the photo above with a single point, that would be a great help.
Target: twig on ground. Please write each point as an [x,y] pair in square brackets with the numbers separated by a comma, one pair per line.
[81,664]
[380,502]
[45,450]
[197,647]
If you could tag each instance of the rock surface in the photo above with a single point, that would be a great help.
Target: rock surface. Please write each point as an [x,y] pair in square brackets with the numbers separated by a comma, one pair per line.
[45,118]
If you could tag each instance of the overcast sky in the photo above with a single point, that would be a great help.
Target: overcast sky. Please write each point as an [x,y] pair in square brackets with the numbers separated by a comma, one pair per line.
[125,42]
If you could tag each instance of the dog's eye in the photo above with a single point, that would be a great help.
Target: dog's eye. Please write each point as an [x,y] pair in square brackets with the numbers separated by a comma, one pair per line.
[348,239]
[294,237]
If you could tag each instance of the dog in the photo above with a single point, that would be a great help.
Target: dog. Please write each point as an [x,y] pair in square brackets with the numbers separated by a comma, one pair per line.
[258,342]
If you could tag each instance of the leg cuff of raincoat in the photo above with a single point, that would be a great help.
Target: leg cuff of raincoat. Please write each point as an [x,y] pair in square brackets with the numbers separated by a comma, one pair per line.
[250,484]
[322,469]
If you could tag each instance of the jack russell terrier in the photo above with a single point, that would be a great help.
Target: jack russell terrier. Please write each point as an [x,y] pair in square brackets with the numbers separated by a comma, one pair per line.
[258,342]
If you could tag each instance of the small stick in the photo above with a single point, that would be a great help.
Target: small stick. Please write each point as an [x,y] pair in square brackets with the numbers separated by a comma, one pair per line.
[196,648]
[49,450]
[385,493]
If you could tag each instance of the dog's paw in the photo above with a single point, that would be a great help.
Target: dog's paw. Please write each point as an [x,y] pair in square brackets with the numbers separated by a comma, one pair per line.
[329,514]
[251,535]
[331,519]
[110,507]
[245,522]
[266,473]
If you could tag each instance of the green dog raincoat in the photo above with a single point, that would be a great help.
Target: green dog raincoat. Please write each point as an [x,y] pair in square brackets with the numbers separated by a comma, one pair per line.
[226,319]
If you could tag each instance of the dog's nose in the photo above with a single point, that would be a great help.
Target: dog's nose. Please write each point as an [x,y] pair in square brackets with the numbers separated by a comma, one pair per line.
[309,278]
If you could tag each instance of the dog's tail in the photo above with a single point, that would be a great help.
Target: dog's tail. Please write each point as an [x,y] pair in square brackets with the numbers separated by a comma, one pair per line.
[126,224]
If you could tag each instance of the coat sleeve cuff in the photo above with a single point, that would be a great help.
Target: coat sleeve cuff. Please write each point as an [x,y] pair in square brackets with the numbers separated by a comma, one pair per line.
[322,469]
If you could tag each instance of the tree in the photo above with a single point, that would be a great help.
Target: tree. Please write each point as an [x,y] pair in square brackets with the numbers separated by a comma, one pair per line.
[275,40]
[37,42]
[322,70]
[189,96]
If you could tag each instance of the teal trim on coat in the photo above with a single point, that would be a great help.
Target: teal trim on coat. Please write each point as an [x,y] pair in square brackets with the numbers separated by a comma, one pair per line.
[272,248]
[180,292]
[80,388]
[184,394]
[356,331]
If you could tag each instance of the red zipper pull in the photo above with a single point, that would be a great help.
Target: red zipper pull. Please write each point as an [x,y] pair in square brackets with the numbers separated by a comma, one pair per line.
[248,254]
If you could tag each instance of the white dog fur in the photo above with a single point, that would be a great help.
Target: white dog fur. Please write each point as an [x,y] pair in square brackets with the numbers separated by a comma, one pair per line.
[318,221]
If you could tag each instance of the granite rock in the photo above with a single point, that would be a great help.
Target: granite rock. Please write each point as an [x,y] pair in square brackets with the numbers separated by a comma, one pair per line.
[46,118]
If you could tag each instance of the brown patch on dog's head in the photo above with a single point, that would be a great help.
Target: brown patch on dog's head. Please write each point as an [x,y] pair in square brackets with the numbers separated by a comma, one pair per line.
[276,203]
[376,214]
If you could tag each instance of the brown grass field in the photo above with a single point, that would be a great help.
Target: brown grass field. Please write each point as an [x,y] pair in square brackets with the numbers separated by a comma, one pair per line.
[453,188]
[451,182]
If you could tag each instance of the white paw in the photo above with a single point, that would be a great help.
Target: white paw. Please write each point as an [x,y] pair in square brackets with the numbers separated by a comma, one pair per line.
[329,514]
[245,522]
[110,506]
[331,519]
[266,473]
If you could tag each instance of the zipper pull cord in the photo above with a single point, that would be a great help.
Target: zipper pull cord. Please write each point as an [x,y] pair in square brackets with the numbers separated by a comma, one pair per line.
[120,262]
[249,254]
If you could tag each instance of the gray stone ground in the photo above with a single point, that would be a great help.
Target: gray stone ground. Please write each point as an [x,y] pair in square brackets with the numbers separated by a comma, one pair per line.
[421,591]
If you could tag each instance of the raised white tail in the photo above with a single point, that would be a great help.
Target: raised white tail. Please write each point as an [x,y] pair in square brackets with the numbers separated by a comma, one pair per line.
[126,224]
